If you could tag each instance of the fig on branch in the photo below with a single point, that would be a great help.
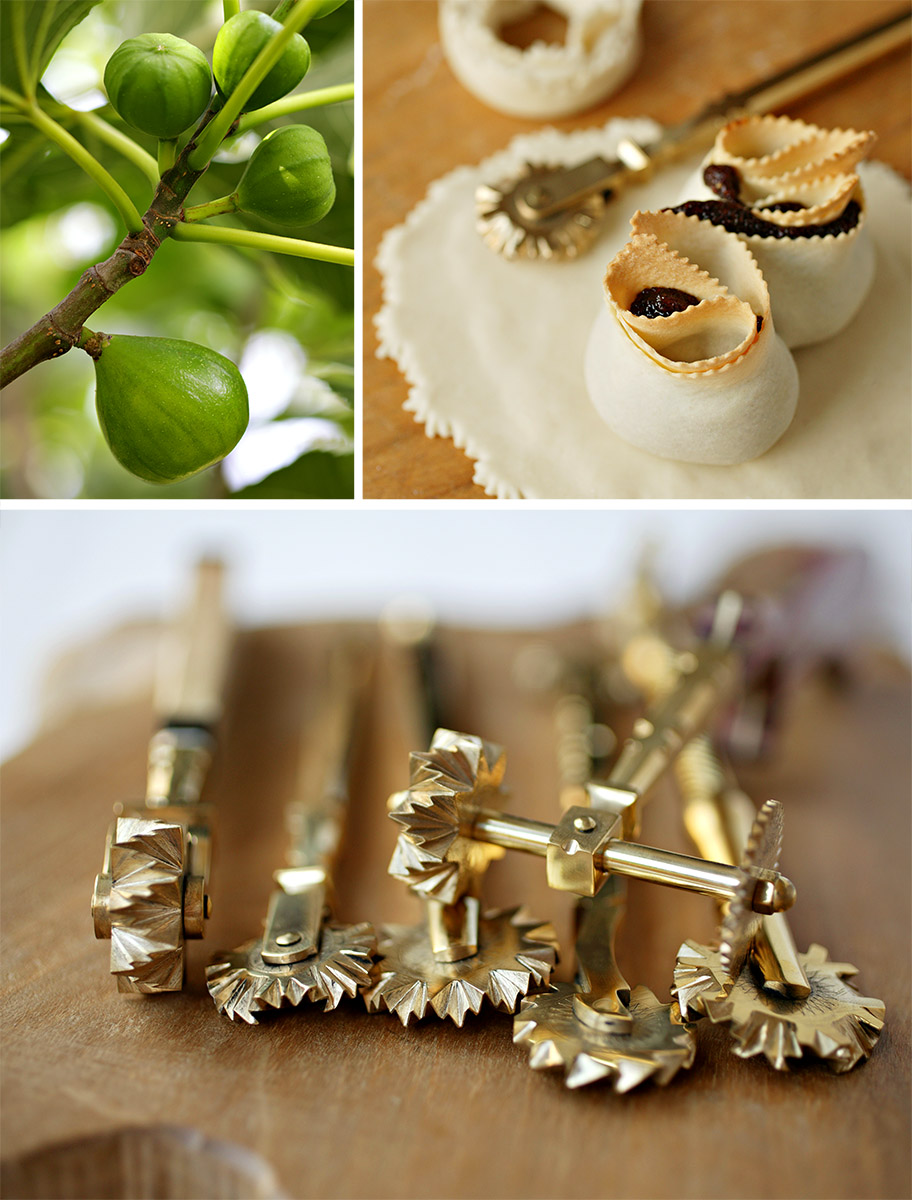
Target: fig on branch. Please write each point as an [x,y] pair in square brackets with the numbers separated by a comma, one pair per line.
[158,83]
[240,40]
[288,179]
[167,408]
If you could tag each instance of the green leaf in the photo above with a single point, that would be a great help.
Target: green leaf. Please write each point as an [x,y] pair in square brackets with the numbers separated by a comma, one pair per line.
[315,476]
[30,32]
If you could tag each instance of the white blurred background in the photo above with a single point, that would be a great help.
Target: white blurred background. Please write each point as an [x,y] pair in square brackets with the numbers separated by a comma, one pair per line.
[70,576]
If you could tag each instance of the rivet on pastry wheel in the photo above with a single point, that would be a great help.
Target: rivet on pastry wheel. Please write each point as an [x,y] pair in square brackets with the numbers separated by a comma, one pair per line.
[288,939]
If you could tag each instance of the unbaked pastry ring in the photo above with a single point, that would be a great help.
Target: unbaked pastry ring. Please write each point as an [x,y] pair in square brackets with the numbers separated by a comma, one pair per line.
[543,81]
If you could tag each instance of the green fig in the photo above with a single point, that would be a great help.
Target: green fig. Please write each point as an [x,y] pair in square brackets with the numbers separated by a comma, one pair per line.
[158,83]
[240,40]
[167,408]
[289,179]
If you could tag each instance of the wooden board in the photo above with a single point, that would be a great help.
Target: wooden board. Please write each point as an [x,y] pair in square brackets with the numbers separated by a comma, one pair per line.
[350,1105]
[420,123]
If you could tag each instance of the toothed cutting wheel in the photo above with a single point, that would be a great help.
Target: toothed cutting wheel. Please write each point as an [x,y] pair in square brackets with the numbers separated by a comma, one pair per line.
[516,953]
[657,1045]
[510,226]
[835,1022]
[244,986]
[145,905]
[761,855]
[453,781]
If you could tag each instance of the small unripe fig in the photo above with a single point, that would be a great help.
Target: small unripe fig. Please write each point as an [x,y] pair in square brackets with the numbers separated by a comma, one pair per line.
[167,408]
[158,83]
[238,43]
[289,178]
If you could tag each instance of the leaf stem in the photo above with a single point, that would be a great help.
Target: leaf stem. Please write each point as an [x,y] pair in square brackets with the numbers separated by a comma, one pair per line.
[214,208]
[167,154]
[252,240]
[121,142]
[81,156]
[296,103]
[21,53]
[214,133]
[230,8]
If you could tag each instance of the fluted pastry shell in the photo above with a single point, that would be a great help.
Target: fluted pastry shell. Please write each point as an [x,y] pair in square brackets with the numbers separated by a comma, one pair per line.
[824,199]
[663,252]
[544,81]
[764,148]
[816,284]
[703,385]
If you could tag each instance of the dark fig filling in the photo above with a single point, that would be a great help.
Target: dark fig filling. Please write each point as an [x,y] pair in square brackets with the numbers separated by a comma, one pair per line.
[731,214]
[661,302]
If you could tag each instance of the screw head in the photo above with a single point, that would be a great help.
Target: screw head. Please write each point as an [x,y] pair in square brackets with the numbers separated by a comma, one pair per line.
[288,939]
[585,824]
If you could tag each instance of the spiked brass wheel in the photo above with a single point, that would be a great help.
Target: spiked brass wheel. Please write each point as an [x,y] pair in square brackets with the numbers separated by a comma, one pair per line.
[459,775]
[834,1022]
[760,857]
[244,986]
[511,228]
[145,905]
[656,1046]
[516,954]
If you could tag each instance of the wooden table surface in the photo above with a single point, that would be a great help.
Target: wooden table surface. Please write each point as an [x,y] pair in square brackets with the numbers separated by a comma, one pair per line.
[419,123]
[345,1104]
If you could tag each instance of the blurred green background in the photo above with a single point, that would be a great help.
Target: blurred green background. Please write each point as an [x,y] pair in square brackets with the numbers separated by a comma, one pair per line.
[288,322]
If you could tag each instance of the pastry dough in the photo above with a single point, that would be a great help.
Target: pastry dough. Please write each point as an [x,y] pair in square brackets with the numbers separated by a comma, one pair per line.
[712,383]
[543,81]
[817,284]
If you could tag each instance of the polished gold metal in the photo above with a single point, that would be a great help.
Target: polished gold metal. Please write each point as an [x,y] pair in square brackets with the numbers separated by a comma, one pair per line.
[598,1028]
[444,821]
[553,213]
[833,1023]
[151,895]
[775,1000]
[516,954]
[302,955]
[438,858]
[657,1045]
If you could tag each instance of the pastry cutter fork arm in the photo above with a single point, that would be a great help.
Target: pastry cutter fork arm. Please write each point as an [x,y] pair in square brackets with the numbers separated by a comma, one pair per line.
[189,694]
[704,679]
[564,189]
[300,900]
[188,701]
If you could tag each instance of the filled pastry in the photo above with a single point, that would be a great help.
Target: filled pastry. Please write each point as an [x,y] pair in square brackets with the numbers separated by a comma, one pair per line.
[790,191]
[545,80]
[683,361]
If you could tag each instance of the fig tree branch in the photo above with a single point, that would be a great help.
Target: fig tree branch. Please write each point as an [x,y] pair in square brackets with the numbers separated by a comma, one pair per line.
[60,330]
[297,103]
